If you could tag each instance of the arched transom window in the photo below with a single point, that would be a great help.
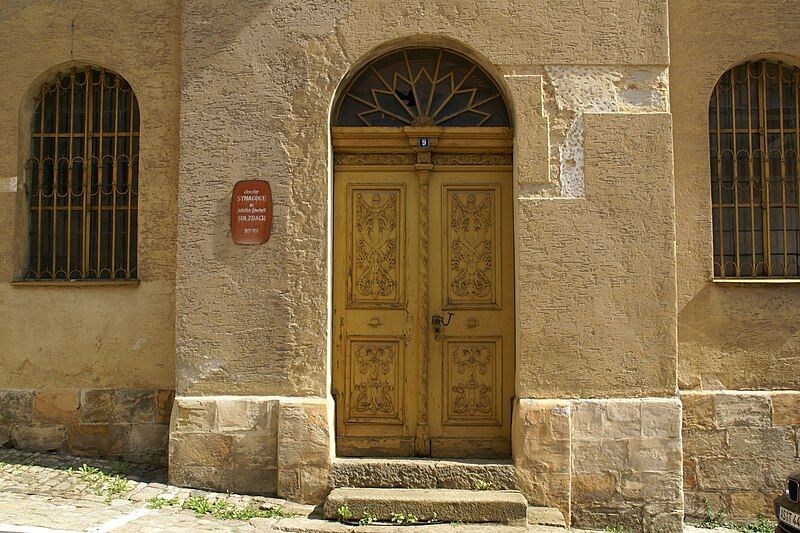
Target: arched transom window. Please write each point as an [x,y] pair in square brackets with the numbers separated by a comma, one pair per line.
[83,179]
[754,130]
[422,87]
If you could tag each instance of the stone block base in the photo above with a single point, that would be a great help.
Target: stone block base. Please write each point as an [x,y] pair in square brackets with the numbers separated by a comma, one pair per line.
[127,424]
[612,462]
[738,448]
[252,445]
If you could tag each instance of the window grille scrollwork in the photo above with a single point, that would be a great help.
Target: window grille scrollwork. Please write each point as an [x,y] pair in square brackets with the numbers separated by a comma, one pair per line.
[754,130]
[82,179]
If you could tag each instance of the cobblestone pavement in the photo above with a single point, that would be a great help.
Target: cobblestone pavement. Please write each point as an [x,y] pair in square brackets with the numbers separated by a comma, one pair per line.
[52,493]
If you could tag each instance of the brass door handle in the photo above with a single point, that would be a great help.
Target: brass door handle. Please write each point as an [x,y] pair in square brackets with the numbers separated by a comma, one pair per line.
[375,322]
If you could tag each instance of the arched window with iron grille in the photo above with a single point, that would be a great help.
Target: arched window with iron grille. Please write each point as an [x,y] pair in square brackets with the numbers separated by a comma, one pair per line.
[754,130]
[82,179]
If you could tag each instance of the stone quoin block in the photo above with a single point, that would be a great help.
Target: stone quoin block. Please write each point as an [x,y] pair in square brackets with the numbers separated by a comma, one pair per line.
[134,406]
[193,415]
[200,449]
[97,440]
[698,411]
[97,406]
[304,452]
[147,443]
[164,400]
[16,406]
[59,407]
[49,438]
[786,408]
[541,445]
[746,410]
[531,130]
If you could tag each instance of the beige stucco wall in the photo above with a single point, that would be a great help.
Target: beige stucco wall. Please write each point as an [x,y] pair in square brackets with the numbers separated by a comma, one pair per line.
[257,88]
[85,337]
[730,336]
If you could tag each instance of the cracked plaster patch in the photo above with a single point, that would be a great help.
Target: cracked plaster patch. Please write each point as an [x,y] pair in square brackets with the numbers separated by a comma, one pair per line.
[580,90]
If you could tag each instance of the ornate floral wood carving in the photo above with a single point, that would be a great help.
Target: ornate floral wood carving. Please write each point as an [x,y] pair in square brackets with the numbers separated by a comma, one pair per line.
[471,245]
[472,381]
[373,392]
[472,159]
[377,159]
[376,240]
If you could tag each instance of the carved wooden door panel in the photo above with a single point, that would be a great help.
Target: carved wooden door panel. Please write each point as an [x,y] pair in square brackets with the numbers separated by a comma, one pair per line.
[375,267]
[471,376]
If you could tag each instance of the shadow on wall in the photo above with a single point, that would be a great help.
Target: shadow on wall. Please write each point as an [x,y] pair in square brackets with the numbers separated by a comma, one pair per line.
[740,337]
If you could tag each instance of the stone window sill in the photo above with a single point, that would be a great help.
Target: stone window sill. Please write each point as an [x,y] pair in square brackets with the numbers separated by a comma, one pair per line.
[76,283]
[758,281]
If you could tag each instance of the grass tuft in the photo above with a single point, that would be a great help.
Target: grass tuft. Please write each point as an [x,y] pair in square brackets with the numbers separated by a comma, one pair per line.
[220,509]
[718,519]
[102,483]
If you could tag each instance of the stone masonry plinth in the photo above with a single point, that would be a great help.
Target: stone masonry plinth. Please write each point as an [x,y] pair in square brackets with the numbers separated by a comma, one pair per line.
[603,462]
[253,445]
[129,424]
[738,448]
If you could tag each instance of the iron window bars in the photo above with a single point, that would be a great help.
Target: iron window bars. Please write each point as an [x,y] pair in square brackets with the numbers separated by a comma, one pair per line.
[83,179]
[754,129]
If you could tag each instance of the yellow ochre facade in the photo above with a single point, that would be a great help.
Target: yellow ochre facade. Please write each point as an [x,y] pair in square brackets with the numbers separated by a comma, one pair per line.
[516,254]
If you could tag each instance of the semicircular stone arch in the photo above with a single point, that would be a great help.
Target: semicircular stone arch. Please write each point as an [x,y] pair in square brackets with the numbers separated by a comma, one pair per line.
[422,86]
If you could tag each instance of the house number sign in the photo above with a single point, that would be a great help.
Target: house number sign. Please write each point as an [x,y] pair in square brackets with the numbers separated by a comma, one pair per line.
[251,212]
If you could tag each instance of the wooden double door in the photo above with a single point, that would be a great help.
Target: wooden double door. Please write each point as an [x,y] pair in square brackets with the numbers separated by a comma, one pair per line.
[423,304]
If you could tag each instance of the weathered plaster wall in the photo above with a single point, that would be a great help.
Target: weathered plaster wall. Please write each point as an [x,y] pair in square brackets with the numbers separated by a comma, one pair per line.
[596,274]
[270,92]
[738,445]
[82,338]
[257,85]
[730,337]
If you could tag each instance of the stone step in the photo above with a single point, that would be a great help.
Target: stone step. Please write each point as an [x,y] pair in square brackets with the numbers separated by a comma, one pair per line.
[445,505]
[423,474]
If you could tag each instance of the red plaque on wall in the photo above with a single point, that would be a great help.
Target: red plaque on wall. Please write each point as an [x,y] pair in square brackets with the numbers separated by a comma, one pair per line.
[251,212]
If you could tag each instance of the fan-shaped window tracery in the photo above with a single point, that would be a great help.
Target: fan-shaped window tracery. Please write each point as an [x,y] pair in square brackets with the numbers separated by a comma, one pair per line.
[422,87]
